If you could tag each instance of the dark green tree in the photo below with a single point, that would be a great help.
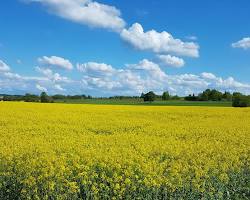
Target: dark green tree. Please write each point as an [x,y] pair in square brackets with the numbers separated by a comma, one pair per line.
[165,96]
[216,95]
[175,97]
[227,96]
[45,98]
[142,95]
[240,100]
[204,96]
[150,96]
[31,98]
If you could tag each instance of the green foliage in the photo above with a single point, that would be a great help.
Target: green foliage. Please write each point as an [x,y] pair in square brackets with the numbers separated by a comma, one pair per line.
[73,97]
[227,96]
[142,95]
[31,98]
[240,100]
[45,98]
[12,98]
[210,95]
[192,98]
[150,96]
[165,96]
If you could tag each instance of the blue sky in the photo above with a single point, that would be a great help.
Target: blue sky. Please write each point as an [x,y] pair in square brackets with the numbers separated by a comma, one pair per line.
[108,47]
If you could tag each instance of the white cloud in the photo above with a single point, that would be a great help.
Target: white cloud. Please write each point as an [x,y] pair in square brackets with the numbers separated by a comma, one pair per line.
[59,87]
[144,65]
[171,61]
[244,43]
[103,80]
[4,67]
[158,42]
[55,61]
[96,68]
[94,14]
[86,12]
[39,87]
[147,75]
[149,67]
[14,83]
[12,76]
[55,77]
[229,84]
[102,77]
[207,75]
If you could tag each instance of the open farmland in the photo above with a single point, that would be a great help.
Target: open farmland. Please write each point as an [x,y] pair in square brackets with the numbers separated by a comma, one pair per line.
[61,151]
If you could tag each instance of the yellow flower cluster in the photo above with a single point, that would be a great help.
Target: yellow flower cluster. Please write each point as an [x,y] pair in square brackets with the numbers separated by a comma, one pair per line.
[59,151]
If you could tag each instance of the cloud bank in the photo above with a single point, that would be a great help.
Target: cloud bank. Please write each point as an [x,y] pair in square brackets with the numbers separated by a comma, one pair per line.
[100,79]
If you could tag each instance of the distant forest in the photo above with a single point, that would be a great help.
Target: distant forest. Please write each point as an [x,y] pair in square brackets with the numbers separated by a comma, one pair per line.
[238,99]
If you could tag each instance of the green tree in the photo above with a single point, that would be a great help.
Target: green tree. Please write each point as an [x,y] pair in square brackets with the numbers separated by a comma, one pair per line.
[240,100]
[150,96]
[204,96]
[31,98]
[165,96]
[215,95]
[227,96]
[45,98]
[142,95]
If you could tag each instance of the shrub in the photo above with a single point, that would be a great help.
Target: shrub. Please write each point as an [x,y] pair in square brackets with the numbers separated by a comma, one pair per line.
[240,100]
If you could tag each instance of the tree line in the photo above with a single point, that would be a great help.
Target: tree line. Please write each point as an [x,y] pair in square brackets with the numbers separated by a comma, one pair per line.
[43,97]
[210,95]
[237,99]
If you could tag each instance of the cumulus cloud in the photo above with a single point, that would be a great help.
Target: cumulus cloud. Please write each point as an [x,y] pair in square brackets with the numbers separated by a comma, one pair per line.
[103,77]
[229,84]
[244,43]
[144,64]
[39,87]
[55,61]
[85,12]
[55,77]
[94,14]
[171,61]
[157,42]
[12,76]
[207,75]
[59,87]
[4,67]
[18,84]
[103,80]
[149,67]
[48,81]
[147,75]
[96,68]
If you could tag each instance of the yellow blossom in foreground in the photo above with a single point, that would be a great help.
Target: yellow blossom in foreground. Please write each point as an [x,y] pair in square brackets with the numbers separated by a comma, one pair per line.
[59,151]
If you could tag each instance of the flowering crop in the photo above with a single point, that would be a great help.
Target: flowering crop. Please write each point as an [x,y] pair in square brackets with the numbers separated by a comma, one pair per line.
[59,151]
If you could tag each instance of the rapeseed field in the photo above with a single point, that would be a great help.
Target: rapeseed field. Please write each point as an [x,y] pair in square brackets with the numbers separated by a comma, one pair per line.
[59,151]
